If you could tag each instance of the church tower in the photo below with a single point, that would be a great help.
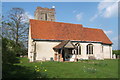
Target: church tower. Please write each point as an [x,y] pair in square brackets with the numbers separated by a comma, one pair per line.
[45,14]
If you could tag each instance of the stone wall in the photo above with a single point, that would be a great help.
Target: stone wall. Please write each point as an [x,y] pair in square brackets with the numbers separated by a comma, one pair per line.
[45,14]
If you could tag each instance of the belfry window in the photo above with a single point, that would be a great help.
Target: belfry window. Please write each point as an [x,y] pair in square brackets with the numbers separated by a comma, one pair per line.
[46,17]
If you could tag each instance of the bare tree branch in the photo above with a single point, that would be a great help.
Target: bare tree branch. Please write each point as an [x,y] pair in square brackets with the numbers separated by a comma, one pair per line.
[15,26]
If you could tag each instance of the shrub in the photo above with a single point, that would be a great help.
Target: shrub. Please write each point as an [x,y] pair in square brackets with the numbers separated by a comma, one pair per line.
[117,52]
[9,51]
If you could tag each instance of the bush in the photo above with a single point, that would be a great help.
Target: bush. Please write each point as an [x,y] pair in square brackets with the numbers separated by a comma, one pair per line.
[9,51]
[116,52]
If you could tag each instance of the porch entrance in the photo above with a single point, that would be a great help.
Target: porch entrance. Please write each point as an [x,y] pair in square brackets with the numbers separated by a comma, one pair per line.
[67,54]
[64,51]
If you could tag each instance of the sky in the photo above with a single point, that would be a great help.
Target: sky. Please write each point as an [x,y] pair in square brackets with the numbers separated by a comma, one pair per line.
[101,15]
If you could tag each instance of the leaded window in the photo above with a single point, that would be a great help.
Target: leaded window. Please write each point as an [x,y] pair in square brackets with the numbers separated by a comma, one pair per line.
[78,49]
[89,49]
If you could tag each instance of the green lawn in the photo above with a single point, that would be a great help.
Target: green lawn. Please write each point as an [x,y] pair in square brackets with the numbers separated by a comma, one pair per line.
[81,69]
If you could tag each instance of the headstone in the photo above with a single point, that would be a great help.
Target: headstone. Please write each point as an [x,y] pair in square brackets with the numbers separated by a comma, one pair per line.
[114,56]
[118,57]
[91,57]
[43,59]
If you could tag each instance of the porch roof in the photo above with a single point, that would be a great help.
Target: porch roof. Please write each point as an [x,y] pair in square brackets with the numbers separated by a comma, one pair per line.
[63,45]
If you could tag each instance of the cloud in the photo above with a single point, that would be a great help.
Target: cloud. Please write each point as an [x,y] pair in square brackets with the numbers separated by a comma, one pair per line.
[29,15]
[111,10]
[94,17]
[115,41]
[115,38]
[79,16]
[106,9]
[74,11]
[108,32]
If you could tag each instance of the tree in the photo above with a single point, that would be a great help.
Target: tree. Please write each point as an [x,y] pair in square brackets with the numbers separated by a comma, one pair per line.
[15,25]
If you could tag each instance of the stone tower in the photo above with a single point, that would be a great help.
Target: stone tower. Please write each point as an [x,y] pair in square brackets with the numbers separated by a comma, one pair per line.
[45,14]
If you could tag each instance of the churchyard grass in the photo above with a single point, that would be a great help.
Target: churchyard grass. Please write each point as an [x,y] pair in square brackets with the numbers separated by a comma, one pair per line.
[80,69]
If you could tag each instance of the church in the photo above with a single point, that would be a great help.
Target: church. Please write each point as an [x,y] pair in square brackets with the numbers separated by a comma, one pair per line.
[57,41]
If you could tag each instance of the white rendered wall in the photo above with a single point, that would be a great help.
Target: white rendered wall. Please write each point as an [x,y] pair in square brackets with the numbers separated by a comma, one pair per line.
[96,51]
[44,49]
[107,51]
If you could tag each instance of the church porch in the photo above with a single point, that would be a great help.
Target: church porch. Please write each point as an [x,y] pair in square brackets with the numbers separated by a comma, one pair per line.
[65,51]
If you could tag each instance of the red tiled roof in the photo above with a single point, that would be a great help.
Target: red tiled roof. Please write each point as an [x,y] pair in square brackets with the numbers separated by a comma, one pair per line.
[66,31]
[62,44]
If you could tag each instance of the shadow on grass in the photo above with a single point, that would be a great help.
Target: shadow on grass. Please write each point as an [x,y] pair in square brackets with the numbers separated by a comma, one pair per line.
[11,72]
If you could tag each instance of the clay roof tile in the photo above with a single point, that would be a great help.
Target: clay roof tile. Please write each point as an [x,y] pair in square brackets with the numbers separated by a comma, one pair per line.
[66,31]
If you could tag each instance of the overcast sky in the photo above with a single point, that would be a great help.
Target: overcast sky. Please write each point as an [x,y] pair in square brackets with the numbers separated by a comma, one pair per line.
[102,15]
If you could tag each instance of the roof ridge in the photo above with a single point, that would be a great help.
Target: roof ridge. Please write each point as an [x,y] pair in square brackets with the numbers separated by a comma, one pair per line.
[58,22]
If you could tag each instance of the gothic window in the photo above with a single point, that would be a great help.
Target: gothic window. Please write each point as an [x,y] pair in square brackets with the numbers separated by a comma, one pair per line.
[102,48]
[78,50]
[89,49]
